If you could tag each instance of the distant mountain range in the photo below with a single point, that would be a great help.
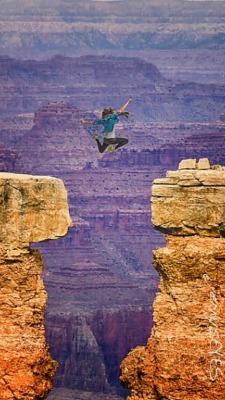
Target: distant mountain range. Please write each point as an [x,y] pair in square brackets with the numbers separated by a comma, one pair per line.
[57,27]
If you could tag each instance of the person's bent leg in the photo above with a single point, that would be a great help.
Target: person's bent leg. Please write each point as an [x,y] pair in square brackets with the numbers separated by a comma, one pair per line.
[101,147]
[120,142]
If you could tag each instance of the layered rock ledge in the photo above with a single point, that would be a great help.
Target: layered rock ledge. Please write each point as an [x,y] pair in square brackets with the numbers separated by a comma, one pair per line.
[32,209]
[184,357]
[190,201]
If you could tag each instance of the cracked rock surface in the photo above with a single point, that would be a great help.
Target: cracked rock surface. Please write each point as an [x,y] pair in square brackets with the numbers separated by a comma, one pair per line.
[31,209]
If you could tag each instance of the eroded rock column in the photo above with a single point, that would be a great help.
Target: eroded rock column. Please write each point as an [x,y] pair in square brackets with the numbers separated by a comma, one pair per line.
[32,209]
[185,356]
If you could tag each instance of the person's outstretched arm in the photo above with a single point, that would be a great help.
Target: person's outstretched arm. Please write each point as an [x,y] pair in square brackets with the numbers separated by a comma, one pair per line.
[86,122]
[122,109]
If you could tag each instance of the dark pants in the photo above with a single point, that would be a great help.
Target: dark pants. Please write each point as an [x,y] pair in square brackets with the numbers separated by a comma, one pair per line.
[118,141]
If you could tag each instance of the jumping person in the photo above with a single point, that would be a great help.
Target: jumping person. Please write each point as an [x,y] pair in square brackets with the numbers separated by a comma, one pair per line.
[109,120]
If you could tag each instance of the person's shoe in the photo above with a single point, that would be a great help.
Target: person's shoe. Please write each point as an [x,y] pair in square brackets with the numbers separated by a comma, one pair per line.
[111,149]
[95,135]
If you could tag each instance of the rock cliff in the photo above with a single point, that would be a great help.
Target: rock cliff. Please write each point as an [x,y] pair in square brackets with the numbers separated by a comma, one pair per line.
[183,359]
[32,208]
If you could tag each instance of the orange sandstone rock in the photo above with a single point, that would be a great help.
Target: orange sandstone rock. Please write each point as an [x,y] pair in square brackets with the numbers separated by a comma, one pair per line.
[184,358]
[31,208]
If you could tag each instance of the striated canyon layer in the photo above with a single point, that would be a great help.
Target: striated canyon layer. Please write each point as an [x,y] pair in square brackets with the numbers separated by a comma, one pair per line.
[184,357]
[32,208]
[57,27]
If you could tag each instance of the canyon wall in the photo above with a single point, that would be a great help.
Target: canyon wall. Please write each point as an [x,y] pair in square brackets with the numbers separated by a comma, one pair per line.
[183,359]
[32,208]
[81,82]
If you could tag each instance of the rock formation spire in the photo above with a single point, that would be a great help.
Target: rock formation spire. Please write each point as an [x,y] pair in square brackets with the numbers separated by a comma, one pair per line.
[32,209]
[184,357]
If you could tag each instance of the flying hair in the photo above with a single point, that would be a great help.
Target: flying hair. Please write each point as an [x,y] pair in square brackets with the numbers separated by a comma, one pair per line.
[109,111]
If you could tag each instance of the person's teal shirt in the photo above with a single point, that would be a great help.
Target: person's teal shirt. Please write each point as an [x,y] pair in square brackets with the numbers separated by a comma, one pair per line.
[108,122]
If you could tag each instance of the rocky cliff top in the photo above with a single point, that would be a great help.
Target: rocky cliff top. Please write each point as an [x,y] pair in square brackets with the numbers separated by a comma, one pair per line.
[32,209]
[190,200]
